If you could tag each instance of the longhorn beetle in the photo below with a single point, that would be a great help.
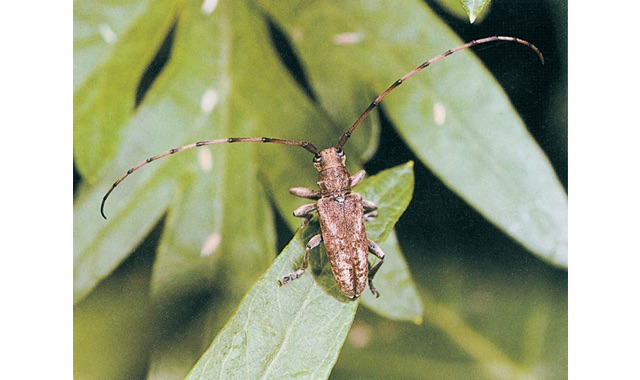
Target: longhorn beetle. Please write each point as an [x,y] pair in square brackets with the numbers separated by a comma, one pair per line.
[341,212]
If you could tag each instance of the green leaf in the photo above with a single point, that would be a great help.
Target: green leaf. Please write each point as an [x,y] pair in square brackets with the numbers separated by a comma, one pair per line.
[114,41]
[186,337]
[297,330]
[394,276]
[400,300]
[454,116]
[100,247]
[111,326]
[487,332]
[217,97]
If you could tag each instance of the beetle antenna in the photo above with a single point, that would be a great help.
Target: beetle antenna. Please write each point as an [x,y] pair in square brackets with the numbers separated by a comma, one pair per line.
[306,145]
[348,133]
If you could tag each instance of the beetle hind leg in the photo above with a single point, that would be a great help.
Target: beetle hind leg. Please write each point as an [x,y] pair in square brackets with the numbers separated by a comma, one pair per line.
[313,242]
[377,252]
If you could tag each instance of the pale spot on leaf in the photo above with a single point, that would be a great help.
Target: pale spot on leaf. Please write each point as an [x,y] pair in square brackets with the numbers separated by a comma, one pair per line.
[297,34]
[211,244]
[360,335]
[439,113]
[208,6]
[108,35]
[205,160]
[349,38]
[208,101]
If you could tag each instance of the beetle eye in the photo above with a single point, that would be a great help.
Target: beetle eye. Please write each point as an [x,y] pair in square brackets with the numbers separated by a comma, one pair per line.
[339,152]
[317,158]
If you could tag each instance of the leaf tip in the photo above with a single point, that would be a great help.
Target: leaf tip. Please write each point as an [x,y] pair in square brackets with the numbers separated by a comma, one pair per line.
[407,166]
[474,8]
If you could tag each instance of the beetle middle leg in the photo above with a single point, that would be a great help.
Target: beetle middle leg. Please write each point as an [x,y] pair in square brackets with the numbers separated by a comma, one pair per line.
[304,211]
[377,252]
[313,242]
[370,210]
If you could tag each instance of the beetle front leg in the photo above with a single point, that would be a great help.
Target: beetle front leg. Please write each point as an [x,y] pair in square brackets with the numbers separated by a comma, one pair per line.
[377,252]
[357,178]
[313,242]
[304,192]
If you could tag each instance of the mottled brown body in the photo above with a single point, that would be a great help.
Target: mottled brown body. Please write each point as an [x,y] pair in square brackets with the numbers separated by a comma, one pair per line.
[341,215]
[345,240]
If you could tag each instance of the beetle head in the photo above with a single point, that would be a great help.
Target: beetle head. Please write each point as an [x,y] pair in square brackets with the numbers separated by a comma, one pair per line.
[329,158]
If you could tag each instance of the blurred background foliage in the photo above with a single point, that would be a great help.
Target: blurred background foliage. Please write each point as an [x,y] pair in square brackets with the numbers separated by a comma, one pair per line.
[491,308]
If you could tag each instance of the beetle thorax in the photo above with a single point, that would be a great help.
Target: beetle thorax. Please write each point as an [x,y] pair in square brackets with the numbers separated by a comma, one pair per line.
[333,177]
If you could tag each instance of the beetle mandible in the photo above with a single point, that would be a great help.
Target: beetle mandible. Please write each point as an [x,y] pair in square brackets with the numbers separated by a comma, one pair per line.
[341,212]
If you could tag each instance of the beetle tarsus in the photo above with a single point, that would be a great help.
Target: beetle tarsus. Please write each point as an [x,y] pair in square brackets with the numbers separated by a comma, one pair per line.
[373,289]
[290,277]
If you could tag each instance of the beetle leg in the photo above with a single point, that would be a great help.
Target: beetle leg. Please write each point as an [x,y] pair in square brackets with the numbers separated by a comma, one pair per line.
[357,178]
[370,216]
[304,192]
[369,206]
[376,251]
[369,210]
[304,211]
[313,242]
